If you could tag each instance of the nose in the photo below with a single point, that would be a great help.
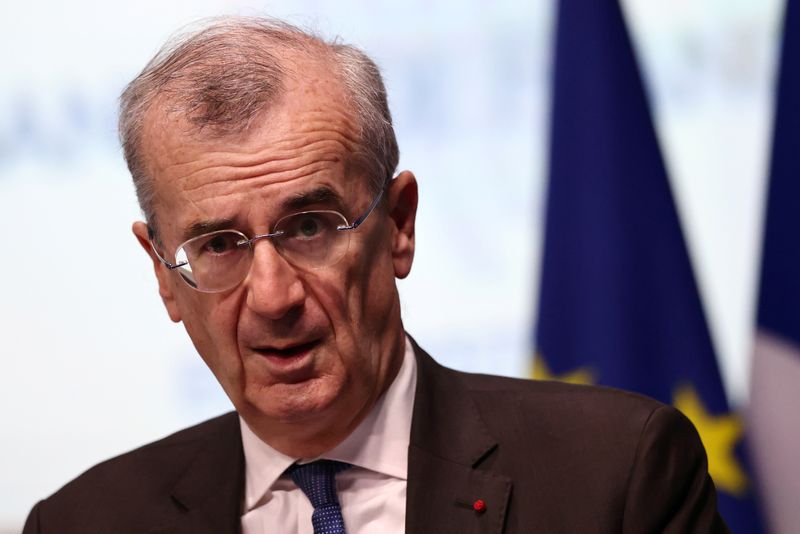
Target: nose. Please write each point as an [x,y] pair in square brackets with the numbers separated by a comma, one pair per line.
[274,287]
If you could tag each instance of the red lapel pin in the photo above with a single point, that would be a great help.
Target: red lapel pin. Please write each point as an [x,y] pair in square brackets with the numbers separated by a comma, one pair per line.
[479,506]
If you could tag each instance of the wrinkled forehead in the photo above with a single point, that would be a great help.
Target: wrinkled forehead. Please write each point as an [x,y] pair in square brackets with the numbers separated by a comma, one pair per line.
[312,99]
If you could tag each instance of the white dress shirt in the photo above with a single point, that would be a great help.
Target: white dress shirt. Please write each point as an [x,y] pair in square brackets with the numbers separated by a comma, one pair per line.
[372,493]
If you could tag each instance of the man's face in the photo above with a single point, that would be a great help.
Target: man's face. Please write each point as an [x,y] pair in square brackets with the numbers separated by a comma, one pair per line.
[303,351]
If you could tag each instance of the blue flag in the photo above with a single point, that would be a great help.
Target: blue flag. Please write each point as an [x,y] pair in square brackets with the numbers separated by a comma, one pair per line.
[775,392]
[619,305]
[780,275]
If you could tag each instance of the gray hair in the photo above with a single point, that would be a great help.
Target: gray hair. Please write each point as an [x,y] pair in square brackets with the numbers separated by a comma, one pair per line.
[221,76]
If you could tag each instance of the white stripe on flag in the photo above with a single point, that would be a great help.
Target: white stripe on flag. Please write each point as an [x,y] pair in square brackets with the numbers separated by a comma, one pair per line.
[773,418]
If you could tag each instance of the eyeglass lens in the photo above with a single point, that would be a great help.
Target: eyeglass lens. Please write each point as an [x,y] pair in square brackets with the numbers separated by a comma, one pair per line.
[219,260]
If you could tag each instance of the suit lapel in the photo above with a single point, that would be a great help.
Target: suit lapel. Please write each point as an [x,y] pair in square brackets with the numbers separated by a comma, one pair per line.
[207,497]
[449,441]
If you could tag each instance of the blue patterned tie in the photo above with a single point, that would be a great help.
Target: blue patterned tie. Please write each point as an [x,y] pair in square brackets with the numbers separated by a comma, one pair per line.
[318,482]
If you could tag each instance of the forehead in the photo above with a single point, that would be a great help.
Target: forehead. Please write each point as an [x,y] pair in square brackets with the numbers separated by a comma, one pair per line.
[307,136]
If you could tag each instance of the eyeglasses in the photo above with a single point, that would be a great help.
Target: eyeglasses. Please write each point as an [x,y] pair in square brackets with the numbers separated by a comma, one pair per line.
[220,260]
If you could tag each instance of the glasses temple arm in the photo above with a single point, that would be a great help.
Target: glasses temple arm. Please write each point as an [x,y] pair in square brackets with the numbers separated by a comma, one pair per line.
[367,213]
[151,237]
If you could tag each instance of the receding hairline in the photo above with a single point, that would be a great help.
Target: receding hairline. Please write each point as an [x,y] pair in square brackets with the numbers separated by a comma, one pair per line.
[296,48]
[190,77]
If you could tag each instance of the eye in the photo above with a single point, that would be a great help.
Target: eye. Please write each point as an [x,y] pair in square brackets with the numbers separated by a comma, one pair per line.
[219,244]
[306,226]
[311,238]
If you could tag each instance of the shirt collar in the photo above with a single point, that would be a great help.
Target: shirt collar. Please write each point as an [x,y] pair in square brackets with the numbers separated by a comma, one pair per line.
[379,443]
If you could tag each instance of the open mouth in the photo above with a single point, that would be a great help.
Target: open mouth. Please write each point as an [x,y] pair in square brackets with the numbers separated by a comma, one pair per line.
[288,352]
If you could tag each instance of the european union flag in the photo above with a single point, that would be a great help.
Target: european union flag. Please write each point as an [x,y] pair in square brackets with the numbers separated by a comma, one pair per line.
[619,305]
[775,393]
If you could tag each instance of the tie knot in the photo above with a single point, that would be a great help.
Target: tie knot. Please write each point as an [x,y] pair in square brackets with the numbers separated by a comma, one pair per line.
[318,480]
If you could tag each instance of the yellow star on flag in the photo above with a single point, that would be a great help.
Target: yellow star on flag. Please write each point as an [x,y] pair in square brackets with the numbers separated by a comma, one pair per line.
[582,375]
[719,434]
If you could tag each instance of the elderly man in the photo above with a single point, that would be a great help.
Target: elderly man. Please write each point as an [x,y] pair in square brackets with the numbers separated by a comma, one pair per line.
[264,163]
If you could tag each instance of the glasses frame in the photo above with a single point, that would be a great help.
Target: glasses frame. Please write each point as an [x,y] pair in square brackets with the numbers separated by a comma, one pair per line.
[250,242]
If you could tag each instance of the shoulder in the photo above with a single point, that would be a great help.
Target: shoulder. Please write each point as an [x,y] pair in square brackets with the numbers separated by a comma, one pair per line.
[567,408]
[539,406]
[156,460]
[137,482]
[552,418]
[555,420]
[571,421]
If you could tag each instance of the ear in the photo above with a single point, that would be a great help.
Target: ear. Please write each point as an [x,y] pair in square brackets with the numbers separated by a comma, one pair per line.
[162,273]
[402,200]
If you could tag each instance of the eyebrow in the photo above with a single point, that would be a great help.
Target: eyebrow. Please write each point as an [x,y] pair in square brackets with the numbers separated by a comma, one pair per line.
[299,201]
[319,195]
[204,227]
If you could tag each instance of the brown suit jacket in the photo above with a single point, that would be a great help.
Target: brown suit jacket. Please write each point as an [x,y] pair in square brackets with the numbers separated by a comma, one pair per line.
[544,457]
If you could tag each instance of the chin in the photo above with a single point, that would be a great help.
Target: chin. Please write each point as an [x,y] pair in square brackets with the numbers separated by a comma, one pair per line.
[288,403]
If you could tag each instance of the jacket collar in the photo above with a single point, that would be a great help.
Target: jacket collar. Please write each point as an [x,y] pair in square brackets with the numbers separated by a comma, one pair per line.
[208,496]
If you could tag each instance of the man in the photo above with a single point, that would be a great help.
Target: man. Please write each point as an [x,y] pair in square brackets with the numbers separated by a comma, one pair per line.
[263,160]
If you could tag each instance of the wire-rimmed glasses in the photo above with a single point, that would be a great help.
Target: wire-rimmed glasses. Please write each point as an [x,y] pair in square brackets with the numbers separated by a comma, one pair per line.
[217,261]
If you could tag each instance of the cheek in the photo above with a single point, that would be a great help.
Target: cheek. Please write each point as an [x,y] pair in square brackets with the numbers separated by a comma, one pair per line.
[210,321]
[328,290]
[368,302]
[350,293]
[373,289]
